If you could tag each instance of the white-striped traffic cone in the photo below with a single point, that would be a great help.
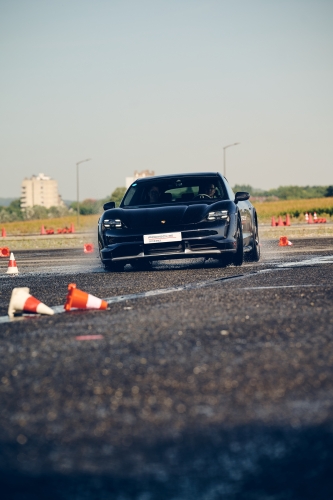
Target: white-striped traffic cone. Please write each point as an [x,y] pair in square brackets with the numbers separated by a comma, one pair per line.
[12,267]
[82,300]
[22,301]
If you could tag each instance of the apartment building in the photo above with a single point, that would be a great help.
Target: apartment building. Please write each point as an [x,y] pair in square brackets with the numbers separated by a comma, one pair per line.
[40,190]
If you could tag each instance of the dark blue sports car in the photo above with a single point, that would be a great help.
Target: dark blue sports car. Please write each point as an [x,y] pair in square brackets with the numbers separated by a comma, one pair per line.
[178,216]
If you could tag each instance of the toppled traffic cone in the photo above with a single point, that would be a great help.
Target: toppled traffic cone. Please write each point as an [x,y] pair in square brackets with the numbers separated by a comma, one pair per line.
[22,301]
[12,267]
[42,230]
[3,232]
[4,252]
[88,248]
[284,242]
[280,221]
[310,220]
[82,300]
[273,223]
[287,223]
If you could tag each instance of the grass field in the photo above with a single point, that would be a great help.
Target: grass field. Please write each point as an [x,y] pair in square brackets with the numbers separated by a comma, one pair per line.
[87,223]
[295,208]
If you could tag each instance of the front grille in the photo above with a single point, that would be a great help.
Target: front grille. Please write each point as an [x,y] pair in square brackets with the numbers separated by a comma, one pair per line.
[111,240]
[127,250]
[200,233]
[200,246]
[163,248]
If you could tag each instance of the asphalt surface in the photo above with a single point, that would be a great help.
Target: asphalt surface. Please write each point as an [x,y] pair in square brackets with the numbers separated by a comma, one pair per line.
[216,385]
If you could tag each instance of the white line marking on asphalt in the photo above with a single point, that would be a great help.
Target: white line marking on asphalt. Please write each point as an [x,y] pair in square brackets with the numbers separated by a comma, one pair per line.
[192,286]
[327,259]
[280,286]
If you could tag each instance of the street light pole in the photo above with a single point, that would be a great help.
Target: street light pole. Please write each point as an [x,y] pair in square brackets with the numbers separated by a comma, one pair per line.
[224,157]
[77,190]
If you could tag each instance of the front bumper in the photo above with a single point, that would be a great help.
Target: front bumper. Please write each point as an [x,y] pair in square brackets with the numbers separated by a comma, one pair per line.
[127,246]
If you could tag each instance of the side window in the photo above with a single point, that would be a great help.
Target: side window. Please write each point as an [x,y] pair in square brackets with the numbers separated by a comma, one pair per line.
[230,192]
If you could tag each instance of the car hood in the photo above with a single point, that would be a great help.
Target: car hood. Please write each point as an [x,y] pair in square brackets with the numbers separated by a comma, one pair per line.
[173,215]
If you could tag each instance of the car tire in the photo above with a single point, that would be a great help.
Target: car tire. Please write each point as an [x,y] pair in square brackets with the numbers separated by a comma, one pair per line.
[238,257]
[254,255]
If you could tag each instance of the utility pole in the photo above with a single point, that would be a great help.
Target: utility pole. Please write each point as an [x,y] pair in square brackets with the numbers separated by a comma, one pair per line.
[224,158]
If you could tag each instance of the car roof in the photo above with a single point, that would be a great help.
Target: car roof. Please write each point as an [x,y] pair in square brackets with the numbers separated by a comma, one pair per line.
[176,176]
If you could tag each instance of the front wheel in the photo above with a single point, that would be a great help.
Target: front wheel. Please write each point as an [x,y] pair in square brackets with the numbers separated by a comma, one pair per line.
[238,257]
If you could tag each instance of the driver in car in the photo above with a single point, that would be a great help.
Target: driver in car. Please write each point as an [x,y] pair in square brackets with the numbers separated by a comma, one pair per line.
[209,190]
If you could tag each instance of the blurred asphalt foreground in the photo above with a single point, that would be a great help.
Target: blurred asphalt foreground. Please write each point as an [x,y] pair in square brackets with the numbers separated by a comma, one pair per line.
[222,391]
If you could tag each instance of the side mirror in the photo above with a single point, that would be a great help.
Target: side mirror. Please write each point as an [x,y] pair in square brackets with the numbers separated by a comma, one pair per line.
[108,205]
[241,196]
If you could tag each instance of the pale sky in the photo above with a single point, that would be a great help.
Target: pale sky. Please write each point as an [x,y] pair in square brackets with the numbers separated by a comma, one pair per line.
[164,85]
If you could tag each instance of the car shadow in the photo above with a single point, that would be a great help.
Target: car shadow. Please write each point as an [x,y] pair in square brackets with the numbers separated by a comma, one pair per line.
[176,264]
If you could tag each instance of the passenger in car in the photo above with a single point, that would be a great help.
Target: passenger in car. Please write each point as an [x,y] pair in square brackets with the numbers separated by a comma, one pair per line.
[154,194]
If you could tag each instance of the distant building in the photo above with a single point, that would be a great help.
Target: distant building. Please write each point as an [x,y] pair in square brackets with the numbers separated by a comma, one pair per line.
[40,190]
[144,173]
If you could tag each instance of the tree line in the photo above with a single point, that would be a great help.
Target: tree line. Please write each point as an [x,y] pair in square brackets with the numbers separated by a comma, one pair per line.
[287,192]
[89,206]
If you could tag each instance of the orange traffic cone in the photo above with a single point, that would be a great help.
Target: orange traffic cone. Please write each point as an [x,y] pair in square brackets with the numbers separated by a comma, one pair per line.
[72,228]
[273,223]
[4,252]
[306,217]
[88,248]
[310,220]
[42,231]
[3,232]
[12,267]
[22,301]
[280,221]
[315,218]
[284,242]
[82,300]
[287,223]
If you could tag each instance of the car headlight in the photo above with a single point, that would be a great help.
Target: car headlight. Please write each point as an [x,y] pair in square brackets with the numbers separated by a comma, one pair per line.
[112,223]
[218,215]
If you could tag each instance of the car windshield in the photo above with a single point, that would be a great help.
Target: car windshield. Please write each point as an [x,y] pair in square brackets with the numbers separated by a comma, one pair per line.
[196,189]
